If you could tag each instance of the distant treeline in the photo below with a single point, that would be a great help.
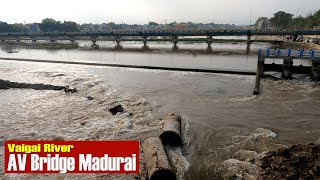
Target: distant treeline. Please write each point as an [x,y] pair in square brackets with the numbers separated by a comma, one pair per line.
[47,25]
[281,19]
[286,20]
[51,25]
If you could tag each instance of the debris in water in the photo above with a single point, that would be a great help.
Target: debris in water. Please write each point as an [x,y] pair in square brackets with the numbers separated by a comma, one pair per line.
[70,90]
[157,163]
[90,98]
[12,51]
[171,132]
[83,123]
[116,109]
[10,85]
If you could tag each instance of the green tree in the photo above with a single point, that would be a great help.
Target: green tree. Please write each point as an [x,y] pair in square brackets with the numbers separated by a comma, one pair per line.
[69,26]
[317,18]
[4,27]
[153,24]
[260,19]
[49,25]
[112,26]
[310,21]
[297,23]
[281,19]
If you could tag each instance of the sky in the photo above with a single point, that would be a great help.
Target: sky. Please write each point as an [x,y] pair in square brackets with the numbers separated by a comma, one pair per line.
[143,11]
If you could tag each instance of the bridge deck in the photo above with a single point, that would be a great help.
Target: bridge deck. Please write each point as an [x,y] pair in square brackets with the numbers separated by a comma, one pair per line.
[147,33]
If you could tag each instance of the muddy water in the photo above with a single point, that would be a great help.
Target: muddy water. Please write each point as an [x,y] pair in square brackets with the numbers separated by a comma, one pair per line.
[160,54]
[223,123]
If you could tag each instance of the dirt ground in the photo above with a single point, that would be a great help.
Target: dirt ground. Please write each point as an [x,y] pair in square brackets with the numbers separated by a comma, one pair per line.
[295,162]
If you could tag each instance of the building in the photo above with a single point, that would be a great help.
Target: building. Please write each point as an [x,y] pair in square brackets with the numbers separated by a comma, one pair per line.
[34,28]
[263,25]
[316,27]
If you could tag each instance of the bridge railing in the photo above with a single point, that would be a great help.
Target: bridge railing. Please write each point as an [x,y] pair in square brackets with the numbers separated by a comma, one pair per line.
[273,53]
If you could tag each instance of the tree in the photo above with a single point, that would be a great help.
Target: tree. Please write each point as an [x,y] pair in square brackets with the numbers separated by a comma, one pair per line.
[69,26]
[317,18]
[4,27]
[310,21]
[281,19]
[153,24]
[297,23]
[51,25]
[112,26]
[260,19]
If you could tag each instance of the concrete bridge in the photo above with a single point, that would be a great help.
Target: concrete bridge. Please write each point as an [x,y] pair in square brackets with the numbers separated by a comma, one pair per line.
[146,35]
[287,68]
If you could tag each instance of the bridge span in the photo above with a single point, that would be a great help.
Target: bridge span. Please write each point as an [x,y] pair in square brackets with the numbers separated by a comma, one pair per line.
[148,33]
[153,35]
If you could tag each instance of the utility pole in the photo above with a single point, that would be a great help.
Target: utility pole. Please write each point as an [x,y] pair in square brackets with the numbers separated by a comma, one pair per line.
[250,16]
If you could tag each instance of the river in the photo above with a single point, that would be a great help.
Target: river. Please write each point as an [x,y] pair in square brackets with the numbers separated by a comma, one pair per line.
[223,121]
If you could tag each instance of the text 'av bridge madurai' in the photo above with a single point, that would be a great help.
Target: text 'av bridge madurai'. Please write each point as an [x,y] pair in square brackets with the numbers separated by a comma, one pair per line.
[149,35]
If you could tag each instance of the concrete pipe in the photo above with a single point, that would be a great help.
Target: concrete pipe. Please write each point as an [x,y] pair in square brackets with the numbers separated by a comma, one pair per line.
[171,132]
[156,160]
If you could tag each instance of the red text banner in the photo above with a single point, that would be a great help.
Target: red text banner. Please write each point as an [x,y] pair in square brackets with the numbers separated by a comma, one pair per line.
[109,157]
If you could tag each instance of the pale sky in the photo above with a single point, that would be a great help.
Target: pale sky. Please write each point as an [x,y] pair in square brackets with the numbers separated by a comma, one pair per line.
[142,11]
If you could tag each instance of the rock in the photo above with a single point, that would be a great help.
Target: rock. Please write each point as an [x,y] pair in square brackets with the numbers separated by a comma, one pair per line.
[116,109]
[90,98]
[70,90]
[10,85]
[83,123]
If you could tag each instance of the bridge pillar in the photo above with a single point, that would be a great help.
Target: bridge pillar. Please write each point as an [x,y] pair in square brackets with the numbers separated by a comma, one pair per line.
[145,42]
[118,42]
[175,41]
[315,70]
[209,48]
[287,66]
[209,41]
[259,74]
[72,39]
[145,47]
[248,47]
[249,42]
[94,45]
[117,39]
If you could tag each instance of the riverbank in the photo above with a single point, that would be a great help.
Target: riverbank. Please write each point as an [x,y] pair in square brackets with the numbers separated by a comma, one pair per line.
[289,43]
[301,45]
[300,161]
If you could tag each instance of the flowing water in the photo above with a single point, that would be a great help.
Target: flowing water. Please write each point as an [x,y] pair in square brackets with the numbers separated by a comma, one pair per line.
[223,123]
